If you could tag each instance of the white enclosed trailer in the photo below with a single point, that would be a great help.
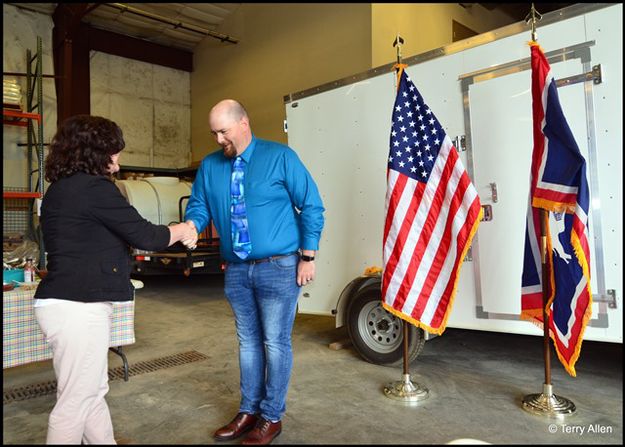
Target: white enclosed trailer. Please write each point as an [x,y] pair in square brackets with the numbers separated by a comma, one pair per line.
[479,89]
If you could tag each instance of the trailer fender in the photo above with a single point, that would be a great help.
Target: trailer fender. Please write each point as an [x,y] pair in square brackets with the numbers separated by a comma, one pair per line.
[348,292]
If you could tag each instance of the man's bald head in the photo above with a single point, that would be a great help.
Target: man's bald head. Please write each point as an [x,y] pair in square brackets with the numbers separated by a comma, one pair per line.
[230,126]
[231,108]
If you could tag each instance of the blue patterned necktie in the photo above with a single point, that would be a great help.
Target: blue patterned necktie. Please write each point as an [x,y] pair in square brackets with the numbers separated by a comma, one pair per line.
[241,244]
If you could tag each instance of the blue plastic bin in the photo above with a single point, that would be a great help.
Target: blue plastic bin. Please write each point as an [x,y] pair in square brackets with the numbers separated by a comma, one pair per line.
[13,275]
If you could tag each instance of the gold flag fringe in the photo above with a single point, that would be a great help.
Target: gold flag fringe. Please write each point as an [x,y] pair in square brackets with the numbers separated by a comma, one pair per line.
[443,326]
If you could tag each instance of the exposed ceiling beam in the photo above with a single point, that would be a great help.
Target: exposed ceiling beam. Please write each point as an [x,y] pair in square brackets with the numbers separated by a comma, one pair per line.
[139,49]
[176,24]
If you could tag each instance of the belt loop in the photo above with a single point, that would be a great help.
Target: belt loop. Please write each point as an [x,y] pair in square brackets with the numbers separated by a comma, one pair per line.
[250,273]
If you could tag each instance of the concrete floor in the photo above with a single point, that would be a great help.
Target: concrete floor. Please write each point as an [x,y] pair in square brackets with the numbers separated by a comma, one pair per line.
[476,382]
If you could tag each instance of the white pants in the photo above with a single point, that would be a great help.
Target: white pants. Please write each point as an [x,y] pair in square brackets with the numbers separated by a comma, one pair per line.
[79,336]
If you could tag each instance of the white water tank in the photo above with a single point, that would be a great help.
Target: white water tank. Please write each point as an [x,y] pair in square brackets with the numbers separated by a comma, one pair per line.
[156,198]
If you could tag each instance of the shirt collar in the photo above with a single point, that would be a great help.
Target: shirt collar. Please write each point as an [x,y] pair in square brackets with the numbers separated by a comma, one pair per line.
[246,155]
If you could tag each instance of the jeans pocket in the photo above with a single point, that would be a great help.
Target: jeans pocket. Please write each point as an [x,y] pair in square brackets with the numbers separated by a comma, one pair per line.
[286,262]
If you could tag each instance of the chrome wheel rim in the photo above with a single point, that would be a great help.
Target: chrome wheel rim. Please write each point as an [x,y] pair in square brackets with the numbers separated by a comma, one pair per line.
[379,329]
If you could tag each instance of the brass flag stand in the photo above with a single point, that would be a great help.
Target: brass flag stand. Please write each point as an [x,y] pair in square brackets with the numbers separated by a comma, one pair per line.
[405,390]
[545,403]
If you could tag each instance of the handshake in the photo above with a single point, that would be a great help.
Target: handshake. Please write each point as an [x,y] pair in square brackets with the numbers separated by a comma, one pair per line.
[184,232]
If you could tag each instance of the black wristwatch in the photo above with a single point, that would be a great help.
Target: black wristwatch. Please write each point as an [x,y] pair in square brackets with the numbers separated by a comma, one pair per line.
[306,258]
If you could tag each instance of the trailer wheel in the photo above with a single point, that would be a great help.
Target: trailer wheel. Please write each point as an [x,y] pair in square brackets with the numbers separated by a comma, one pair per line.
[376,333]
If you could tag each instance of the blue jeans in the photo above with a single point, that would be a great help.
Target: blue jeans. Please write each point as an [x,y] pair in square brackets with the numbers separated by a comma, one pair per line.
[263,298]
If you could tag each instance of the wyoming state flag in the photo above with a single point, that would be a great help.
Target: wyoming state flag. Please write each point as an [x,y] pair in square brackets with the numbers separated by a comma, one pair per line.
[558,184]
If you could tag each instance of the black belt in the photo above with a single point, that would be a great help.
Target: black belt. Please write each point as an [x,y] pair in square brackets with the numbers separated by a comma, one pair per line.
[258,261]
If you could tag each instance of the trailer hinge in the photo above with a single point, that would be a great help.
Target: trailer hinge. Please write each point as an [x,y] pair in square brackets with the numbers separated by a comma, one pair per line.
[609,297]
[469,256]
[460,143]
[612,298]
[594,76]
[487,214]
[493,192]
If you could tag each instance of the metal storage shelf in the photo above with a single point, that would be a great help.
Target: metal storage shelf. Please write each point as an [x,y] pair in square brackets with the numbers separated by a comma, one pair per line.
[32,120]
[21,195]
[18,118]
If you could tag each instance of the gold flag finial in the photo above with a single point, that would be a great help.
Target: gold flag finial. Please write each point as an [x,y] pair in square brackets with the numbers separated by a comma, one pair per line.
[398,66]
[532,18]
[398,43]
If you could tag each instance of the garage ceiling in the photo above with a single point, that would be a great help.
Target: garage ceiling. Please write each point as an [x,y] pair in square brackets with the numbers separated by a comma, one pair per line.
[177,25]
[184,25]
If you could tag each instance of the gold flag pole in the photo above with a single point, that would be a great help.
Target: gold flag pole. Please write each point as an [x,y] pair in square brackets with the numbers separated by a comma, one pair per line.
[404,390]
[545,403]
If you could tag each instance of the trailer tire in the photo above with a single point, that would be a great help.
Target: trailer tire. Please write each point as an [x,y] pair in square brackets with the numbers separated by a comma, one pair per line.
[377,334]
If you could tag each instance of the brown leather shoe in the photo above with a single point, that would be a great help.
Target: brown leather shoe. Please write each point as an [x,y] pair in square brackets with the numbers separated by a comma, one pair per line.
[242,423]
[264,432]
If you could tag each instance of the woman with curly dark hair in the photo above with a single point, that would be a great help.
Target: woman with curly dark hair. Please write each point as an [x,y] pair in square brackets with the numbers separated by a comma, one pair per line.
[87,228]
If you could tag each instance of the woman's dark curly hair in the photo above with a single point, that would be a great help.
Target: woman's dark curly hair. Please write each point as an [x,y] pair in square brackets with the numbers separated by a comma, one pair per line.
[83,143]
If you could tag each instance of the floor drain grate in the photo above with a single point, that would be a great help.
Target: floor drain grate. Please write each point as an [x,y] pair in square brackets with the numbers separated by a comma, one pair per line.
[30,391]
[47,388]
[156,364]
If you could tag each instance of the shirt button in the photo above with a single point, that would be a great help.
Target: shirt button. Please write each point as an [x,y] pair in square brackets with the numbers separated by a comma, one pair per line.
[115,269]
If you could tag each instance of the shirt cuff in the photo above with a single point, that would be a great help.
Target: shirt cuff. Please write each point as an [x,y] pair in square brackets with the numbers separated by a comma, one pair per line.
[310,244]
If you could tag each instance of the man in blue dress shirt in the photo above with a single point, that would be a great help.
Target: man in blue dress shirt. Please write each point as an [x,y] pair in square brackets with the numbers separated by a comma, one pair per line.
[267,210]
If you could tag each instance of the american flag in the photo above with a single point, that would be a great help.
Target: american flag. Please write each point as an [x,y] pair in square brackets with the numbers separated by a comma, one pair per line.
[558,184]
[432,213]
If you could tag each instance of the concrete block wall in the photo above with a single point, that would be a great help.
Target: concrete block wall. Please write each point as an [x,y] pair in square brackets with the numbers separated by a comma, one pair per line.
[152,105]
